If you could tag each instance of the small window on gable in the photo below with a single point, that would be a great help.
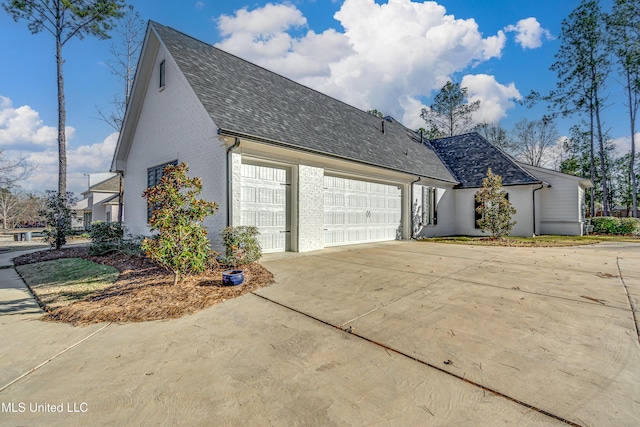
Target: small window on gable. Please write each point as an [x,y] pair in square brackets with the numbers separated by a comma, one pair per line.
[153,177]
[162,74]
[429,206]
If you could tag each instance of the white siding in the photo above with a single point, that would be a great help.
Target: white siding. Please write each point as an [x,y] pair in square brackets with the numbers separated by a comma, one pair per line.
[560,204]
[173,125]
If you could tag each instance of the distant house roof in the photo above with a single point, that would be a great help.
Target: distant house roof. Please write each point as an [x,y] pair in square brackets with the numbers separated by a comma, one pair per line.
[469,156]
[112,200]
[248,101]
[110,185]
[82,205]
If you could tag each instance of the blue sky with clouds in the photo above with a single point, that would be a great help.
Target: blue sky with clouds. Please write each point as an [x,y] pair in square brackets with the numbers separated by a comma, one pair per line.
[390,55]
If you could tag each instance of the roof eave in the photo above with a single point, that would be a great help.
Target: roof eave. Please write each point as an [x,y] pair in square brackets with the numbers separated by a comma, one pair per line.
[263,140]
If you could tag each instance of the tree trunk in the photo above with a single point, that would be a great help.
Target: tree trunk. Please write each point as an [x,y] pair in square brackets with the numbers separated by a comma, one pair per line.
[632,160]
[62,119]
[592,165]
[603,167]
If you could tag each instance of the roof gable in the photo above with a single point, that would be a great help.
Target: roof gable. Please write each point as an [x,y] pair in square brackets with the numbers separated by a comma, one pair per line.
[245,99]
[469,156]
[109,185]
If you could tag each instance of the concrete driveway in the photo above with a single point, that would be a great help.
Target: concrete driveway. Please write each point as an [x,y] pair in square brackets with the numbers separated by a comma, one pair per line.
[401,333]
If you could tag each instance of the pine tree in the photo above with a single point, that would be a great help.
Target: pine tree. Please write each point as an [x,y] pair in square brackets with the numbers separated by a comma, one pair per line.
[450,113]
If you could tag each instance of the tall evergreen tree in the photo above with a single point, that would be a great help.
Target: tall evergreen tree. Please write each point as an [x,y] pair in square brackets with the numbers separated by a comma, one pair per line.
[450,113]
[624,28]
[65,20]
[582,67]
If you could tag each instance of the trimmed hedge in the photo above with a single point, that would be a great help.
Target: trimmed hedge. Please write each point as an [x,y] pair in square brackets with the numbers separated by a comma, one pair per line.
[617,226]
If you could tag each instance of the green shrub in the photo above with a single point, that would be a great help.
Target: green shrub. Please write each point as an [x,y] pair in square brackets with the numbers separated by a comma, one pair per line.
[58,215]
[616,226]
[108,237]
[181,245]
[241,245]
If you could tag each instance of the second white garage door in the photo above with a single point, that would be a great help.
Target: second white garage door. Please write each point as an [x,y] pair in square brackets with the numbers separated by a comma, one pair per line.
[357,211]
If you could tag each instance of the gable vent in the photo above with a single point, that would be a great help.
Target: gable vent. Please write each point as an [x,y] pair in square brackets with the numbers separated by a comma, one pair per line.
[162,74]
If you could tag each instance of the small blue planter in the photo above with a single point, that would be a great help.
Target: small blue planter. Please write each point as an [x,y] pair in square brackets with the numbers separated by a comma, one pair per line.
[232,277]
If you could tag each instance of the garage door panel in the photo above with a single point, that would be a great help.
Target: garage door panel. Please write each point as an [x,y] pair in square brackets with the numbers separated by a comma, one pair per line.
[264,196]
[358,211]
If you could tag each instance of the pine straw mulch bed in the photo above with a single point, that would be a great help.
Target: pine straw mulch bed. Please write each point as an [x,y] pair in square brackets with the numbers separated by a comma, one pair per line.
[144,291]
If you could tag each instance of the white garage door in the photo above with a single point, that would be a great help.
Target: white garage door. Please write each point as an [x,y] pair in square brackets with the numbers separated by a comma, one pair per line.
[358,211]
[264,196]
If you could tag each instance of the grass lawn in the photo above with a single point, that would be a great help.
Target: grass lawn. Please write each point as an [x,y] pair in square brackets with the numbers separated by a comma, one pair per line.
[62,282]
[538,241]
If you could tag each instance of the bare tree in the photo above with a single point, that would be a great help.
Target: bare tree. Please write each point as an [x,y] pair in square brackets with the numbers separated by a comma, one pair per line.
[534,140]
[18,208]
[130,34]
[497,135]
[13,171]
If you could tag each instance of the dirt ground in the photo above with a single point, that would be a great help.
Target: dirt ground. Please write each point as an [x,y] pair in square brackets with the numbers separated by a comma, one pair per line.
[144,291]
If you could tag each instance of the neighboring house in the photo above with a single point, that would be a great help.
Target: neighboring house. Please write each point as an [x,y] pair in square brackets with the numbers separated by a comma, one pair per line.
[308,170]
[100,203]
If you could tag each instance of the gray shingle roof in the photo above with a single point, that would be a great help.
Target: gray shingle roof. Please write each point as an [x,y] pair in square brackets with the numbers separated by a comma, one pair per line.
[109,185]
[469,156]
[244,98]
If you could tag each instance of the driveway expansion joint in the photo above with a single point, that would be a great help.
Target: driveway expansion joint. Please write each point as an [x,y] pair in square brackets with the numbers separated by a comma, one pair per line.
[351,331]
[631,304]
[32,370]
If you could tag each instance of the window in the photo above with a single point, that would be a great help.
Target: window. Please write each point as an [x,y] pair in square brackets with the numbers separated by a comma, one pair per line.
[429,206]
[478,215]
[162,74]
[153,177]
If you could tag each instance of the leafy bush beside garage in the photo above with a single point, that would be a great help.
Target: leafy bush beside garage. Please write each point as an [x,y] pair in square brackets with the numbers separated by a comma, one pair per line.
[617,226]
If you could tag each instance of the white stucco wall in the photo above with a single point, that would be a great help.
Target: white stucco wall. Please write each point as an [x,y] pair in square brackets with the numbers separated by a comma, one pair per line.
[446,206]
[520,197]
[173,125]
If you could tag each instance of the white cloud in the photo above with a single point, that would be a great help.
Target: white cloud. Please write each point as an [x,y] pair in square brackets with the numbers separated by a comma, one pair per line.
[623,145]
[199,5]
[495,98]
[529,33]
[93,158]
[23,127]
[387,56]
[265,21]
[24,135]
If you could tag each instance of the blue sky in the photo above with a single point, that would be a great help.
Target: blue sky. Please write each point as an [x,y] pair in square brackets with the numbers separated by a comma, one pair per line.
[390,55]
